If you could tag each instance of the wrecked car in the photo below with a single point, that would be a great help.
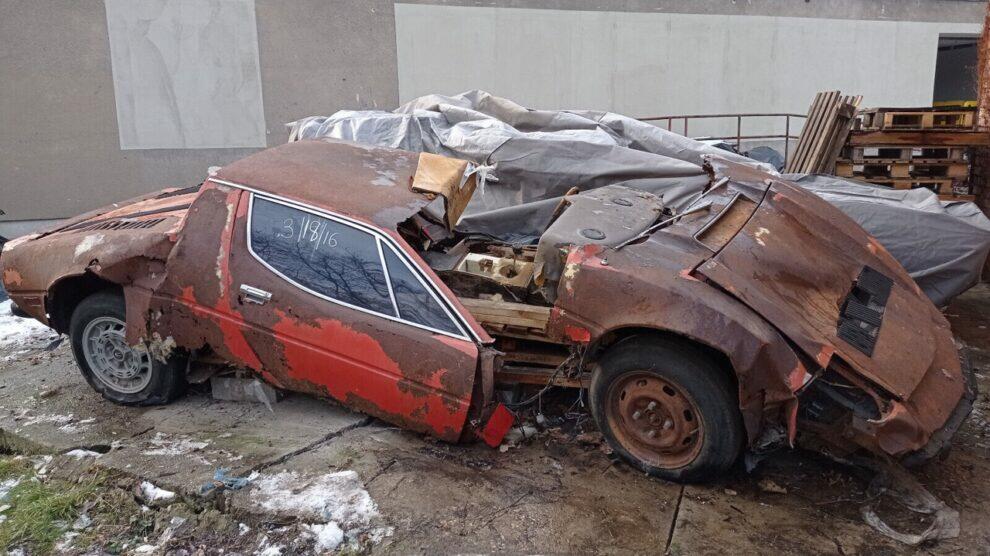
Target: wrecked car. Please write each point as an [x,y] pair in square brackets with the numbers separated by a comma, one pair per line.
[757,317]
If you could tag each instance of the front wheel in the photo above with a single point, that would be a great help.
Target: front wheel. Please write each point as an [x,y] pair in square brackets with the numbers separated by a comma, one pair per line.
[667,408]
[121,373]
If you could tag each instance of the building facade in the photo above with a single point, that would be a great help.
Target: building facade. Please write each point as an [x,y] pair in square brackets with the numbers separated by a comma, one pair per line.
[101,100]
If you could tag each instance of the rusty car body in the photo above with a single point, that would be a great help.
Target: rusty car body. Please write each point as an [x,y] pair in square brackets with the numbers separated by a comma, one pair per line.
[335,269]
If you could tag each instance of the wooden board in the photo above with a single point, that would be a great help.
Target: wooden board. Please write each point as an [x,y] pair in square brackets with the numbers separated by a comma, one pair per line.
[928,138]
[488,311]
[891,119]
[921,154]
[938,186]
[902,169]
[830,117]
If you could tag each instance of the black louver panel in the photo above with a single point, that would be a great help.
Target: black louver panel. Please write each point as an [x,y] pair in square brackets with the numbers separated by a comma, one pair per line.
[119,225]
[862,310]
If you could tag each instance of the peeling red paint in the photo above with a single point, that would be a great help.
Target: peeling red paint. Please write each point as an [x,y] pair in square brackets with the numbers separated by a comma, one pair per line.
[360,371]
[577,334]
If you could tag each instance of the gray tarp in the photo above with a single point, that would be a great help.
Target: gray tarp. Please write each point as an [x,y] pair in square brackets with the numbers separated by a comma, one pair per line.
[538,155]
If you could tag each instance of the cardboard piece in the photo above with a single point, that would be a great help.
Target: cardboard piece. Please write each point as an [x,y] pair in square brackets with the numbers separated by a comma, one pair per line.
[449,178]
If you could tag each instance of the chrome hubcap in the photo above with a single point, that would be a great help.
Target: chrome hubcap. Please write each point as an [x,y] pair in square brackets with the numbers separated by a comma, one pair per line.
[119,366]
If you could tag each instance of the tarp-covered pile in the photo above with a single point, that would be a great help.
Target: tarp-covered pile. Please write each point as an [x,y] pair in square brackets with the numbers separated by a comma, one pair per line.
[539,155]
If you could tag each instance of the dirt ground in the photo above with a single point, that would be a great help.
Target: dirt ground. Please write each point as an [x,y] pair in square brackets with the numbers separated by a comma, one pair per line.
[325,479]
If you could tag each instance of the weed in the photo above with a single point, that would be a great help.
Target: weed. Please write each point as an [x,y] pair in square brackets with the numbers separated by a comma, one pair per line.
[39,513]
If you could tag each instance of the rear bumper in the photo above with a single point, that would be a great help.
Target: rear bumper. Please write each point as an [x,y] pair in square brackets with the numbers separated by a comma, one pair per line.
[940,439]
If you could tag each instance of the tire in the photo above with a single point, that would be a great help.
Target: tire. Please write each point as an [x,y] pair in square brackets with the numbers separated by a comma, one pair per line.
[688,390]
[101,317]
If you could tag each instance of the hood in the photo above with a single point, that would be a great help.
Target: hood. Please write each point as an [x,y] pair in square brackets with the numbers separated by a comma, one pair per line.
[108,242]
[830,288]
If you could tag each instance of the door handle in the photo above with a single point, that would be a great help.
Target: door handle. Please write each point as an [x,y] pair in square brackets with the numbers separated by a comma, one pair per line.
[255,295]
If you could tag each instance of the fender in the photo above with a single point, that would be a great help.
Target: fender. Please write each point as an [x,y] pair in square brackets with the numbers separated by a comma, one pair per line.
[659,292]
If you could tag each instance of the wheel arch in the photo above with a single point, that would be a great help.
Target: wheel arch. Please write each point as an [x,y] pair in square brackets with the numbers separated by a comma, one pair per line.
[67,292]
[624,333]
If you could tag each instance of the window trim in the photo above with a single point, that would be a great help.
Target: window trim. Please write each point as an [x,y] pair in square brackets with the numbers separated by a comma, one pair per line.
[382,240]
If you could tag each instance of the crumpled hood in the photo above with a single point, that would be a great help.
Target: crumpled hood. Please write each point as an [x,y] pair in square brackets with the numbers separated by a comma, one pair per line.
[797,260]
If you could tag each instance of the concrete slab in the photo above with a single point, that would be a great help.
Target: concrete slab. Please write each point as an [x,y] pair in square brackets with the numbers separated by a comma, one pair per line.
[46,404]
[546,496]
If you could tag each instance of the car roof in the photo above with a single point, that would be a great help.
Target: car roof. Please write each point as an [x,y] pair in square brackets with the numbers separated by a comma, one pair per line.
[365,182]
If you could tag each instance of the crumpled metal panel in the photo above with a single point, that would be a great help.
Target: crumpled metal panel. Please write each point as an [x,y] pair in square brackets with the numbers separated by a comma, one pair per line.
[653,288]
[797,259]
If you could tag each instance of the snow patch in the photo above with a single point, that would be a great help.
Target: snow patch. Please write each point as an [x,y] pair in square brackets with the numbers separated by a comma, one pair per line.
[166,446]
[328,536]
[338,500]
[151,493]
[22,334]
[338,496]
[265,549]
[79,453]
[6,487]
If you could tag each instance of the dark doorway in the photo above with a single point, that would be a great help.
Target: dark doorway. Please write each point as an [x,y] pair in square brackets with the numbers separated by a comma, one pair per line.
[955,71]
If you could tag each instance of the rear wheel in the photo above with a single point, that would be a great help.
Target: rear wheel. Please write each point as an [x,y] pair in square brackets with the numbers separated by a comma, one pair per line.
[667,408]
[123,374]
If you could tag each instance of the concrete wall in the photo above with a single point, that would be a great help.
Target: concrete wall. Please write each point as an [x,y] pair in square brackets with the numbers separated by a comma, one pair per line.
[648,64]
[60,151]
[60,144]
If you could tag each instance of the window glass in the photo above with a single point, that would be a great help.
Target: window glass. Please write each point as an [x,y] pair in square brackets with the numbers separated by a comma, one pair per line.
[414,301]
[322,255]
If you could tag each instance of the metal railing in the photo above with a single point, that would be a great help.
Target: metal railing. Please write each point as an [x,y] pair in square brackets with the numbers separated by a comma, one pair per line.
[738,137]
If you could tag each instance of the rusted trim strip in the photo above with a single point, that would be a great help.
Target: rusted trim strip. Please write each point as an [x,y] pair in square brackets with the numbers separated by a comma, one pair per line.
[374,233]
[388,279]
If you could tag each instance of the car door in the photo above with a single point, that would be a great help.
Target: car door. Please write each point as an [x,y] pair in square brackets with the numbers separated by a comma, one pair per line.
[337,307]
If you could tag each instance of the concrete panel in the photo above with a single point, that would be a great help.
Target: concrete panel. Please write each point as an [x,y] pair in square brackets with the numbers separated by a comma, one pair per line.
[643,64]
[318,57]
[59,143]
[186,73]
[958,11]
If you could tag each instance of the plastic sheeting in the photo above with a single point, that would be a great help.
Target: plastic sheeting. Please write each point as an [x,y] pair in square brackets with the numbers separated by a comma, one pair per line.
[538,155]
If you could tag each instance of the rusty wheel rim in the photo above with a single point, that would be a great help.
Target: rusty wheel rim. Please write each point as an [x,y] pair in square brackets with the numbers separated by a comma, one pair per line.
[654,420]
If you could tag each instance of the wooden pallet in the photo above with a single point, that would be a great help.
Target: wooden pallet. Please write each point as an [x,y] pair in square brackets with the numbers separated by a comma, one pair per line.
[893,119]
[829,120]
[928,138]
[942,187]
[919,154]
[954,197]
[902,169]
[503,318]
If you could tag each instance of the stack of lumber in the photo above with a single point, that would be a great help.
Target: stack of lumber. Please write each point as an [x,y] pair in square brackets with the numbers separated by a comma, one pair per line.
[829,120]
[907,148]
[508,319]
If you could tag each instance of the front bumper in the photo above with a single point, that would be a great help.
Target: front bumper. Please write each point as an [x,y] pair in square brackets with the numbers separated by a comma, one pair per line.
[940,440]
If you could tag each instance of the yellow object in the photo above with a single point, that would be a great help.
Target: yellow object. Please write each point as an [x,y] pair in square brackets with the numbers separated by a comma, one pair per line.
[954,103]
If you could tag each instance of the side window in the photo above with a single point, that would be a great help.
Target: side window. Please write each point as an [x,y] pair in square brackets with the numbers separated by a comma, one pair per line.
[319,254]
[415,303]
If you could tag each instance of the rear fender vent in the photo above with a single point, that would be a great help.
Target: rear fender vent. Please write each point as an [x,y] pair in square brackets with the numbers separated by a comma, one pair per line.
[862,311]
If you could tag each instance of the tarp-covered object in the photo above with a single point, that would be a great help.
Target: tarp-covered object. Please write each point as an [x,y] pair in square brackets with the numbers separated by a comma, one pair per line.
[538,155]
